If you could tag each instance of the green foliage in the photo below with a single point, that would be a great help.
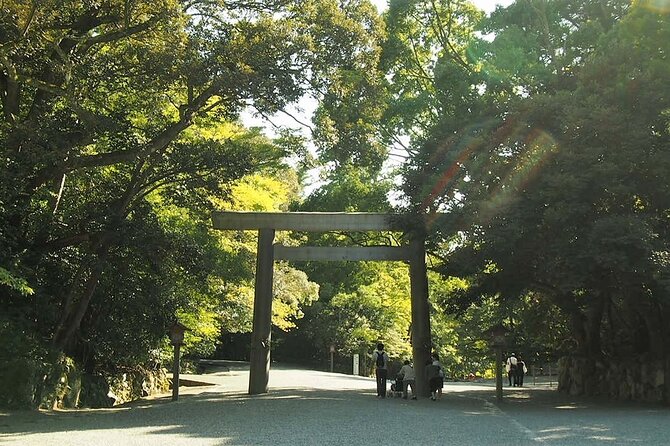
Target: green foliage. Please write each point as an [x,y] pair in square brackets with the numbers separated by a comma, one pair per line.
[23,364]
[426,40]
[378,309]
[118,133]
[542,130]
[350,189]
[552,179]
[15,283]
[20,377]
[351,100]
[291,292]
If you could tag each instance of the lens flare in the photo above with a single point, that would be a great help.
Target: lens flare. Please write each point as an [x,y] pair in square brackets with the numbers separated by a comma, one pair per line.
[463,146]
[540,145]
[658,6]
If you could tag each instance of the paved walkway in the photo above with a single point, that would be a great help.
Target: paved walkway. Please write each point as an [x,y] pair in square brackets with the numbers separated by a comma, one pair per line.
[317,408]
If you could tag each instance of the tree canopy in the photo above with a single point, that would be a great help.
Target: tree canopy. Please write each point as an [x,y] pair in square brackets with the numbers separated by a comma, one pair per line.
[549,167]
[534,138]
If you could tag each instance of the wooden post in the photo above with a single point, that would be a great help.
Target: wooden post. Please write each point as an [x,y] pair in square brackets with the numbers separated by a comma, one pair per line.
[533,370]
[259,366]
[499,377]
[421,338]
[175,373]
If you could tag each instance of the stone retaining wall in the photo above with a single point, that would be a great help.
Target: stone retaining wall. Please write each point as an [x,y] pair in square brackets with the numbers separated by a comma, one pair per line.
[30,384]
[624,379]
[112,390]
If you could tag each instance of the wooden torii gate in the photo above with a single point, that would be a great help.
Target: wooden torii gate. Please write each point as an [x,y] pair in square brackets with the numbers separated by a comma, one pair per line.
[268,222]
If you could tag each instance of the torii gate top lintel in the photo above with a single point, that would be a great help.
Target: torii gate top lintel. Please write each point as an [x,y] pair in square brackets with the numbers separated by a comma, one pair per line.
[308,221]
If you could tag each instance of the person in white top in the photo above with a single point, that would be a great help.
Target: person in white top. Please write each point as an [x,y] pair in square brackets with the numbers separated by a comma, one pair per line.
[510,367]
[439,380]
[408,379]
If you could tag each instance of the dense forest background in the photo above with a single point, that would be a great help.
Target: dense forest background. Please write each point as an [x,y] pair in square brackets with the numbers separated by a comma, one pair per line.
[540,135]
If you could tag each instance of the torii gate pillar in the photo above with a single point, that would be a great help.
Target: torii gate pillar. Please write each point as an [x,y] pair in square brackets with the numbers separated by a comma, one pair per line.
[421,338]
[259,361]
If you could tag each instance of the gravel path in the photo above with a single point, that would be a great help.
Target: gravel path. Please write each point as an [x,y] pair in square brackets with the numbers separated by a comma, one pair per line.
[317,408]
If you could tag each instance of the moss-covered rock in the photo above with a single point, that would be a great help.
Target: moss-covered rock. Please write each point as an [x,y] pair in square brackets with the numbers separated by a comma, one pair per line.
[113,389]
[19,380]
[636,379]
[31,384]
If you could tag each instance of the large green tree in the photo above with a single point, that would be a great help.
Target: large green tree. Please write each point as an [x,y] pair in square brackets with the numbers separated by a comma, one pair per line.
[549,170]
[115,151]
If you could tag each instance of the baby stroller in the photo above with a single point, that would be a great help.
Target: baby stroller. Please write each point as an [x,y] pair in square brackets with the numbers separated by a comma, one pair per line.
[396,386]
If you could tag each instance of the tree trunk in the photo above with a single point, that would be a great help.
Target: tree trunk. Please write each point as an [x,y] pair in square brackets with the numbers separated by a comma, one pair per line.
[653,318]
[576,319]
[593,325]
[72,319]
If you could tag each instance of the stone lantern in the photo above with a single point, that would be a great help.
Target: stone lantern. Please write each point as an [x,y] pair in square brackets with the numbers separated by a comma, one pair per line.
[177,331]
[498,338]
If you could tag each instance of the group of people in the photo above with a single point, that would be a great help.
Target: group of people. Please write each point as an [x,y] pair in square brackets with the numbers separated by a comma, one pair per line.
[516,369]
[434,375]
[514,366]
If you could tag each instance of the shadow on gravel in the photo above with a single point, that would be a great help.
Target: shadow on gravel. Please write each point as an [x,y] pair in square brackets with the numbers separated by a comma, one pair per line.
[548,399]
[303,415]
[244,419]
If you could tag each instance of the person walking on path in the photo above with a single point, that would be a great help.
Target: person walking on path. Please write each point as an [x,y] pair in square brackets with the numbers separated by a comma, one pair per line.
[380,359]
[408,379]
[521,370]
[510,368]
[435,382]
[440,374]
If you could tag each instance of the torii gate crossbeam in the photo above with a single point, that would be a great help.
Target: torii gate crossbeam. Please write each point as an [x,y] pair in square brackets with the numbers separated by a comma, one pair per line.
[268,222]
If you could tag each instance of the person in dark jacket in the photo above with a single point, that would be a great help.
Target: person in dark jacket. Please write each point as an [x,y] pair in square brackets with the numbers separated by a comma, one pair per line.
[381,360]
[520,371]
[435,377]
